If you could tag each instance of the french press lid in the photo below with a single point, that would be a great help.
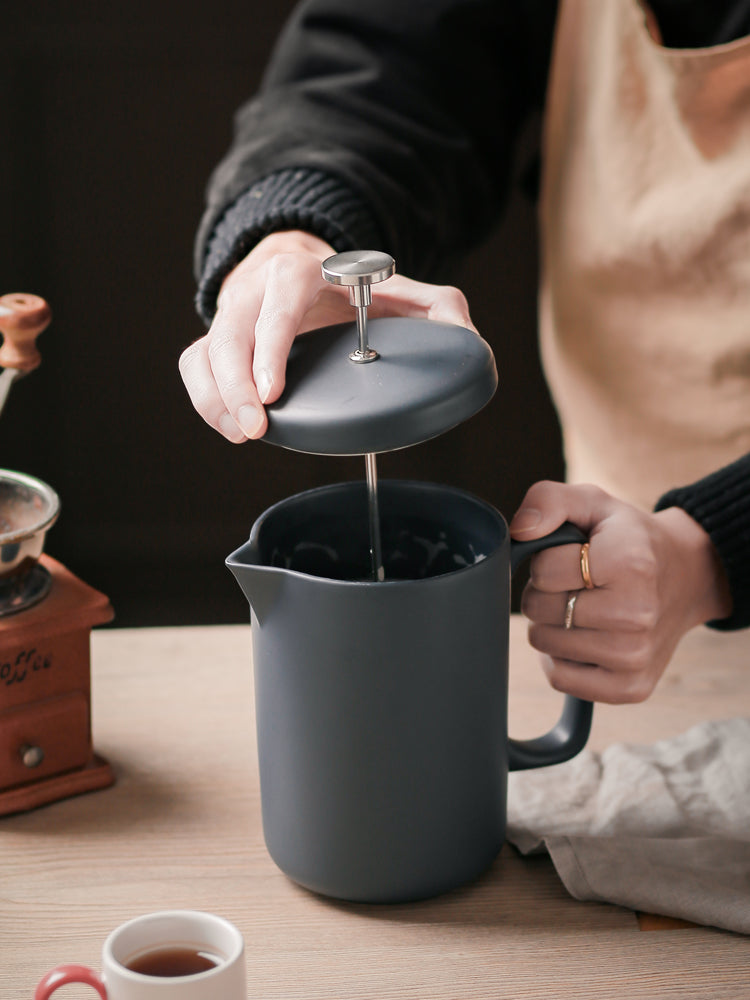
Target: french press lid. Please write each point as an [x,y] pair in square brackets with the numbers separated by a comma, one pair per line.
[368,387]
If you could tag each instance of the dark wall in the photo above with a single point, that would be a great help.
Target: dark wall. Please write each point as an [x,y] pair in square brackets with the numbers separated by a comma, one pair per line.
[112,118]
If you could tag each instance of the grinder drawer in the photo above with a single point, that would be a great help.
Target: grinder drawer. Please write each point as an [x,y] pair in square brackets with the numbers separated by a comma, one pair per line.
[43,739]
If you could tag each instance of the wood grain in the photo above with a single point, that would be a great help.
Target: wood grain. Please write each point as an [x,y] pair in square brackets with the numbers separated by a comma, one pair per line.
[173,713]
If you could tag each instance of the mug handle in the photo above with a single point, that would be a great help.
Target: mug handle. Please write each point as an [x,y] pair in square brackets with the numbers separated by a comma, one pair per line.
[64,974]
[571,731]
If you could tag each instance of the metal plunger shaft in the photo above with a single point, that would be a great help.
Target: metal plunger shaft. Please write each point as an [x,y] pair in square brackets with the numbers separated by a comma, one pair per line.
[373,508]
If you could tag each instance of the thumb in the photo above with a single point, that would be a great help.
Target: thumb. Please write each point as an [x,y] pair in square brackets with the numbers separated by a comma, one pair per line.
[547,505]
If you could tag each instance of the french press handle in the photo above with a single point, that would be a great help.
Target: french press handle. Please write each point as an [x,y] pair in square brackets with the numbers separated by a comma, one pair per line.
[571,731]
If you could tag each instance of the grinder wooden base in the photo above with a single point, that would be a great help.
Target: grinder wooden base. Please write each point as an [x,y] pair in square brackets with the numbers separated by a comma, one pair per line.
[94,775]
[46,751]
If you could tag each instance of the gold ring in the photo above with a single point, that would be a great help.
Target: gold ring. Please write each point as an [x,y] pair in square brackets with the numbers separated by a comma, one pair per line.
[585,571]
[570,608]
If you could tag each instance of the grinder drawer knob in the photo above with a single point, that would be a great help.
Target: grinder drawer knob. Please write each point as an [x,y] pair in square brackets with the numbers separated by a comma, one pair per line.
[31,756]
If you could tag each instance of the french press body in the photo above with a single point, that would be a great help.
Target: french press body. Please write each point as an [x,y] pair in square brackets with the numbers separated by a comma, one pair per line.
[380,615]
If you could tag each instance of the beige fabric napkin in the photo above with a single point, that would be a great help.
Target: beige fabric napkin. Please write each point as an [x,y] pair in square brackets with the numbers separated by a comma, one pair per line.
[663,828]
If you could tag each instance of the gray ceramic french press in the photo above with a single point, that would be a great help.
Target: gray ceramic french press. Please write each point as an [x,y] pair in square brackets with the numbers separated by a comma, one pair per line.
[379,617]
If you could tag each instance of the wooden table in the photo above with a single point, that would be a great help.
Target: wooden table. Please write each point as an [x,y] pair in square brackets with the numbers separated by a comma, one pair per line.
[173,713]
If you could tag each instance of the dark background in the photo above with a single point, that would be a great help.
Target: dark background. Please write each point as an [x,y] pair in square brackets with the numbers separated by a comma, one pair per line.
[113,116]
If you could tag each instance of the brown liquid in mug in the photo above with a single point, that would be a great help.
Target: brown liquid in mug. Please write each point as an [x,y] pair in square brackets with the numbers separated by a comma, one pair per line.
[173,961]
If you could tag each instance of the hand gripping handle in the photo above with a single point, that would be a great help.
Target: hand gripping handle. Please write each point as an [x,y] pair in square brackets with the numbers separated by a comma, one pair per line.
[568,736]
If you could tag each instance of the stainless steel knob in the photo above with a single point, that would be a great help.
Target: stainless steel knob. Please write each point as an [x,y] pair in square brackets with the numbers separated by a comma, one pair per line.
[358,270]
[31,756]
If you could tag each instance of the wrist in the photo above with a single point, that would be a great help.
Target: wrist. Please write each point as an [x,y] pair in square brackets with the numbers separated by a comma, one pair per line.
[285,241]
[704,574]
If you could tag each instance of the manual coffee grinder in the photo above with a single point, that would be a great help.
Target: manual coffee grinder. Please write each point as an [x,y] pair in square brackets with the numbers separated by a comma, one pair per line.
[46,614]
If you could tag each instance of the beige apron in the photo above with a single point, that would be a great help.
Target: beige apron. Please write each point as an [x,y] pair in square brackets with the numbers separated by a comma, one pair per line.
[645,224]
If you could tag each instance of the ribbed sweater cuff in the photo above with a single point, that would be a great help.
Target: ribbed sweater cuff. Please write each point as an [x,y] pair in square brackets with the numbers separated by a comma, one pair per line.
[298,198]
[720,503]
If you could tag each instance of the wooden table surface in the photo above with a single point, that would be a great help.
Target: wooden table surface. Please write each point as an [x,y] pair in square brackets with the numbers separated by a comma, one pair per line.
[173,713]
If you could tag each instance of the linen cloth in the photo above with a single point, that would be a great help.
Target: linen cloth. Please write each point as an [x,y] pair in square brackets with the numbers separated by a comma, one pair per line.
[663,828]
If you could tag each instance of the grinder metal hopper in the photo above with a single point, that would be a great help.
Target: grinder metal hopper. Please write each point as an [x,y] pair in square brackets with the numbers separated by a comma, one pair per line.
[28,506]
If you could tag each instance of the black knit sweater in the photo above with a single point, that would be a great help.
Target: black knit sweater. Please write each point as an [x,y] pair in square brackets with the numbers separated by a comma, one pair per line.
[392,125]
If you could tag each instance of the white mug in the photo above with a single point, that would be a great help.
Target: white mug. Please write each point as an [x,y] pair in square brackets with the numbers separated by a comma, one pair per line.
[154,934]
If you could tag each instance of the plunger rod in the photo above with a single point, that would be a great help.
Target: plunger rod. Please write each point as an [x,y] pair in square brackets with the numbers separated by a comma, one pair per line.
[360,296]
[376,551]
[362,330]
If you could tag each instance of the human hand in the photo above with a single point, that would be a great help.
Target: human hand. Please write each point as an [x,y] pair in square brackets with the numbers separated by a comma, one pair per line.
[655,576]
[274,294]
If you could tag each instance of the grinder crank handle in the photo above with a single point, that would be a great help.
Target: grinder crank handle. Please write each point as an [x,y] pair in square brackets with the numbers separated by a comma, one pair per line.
[22,319]
[571,731]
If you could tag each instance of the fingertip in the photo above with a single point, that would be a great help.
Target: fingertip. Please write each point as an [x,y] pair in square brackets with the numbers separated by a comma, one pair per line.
[229,429]
[526,522]
[264,384]
[269,385]
[251,421]
[583,504]
[530,520]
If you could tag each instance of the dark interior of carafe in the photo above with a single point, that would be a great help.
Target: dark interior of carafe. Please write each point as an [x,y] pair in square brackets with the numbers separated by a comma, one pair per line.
[425,532]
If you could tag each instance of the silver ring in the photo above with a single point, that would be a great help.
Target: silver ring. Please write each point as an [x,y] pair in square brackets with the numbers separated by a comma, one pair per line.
[570,608]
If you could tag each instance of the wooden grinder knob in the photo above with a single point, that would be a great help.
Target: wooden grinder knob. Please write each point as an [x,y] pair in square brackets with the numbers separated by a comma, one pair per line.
[22,319]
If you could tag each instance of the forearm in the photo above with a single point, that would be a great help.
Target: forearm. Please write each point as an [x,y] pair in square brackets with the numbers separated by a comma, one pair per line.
[410,109]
